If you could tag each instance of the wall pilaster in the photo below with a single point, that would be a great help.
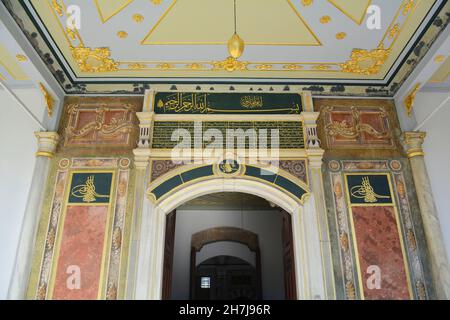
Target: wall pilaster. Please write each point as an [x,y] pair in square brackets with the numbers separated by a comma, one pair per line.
[440,269]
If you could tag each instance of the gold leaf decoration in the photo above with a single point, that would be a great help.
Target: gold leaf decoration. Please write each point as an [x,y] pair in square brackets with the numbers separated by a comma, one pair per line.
[122,34]
[292,67]
[367,62]
[230,64]
[94,60]
[408,6]
[341,35]
[57,7]
[325,19]
[21,58]
[195,66]
[157,2]
[136,66]
[263,67]
[307,3]
[49,101]
[138,18]
[394,30]
[410,98]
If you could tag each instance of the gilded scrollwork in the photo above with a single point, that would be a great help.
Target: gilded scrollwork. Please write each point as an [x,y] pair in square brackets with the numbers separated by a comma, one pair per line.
[94,60]
[366,62]
[230,64]
[111,129]
[354,128]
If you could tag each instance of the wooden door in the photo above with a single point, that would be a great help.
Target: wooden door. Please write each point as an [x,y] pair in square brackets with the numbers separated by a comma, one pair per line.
[168,255]
[290,288]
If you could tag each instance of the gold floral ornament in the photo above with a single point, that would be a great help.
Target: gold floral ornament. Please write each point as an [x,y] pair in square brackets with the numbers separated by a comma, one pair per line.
[138,18]
[410,98]
[137,66]
[230,64]
[49,101]
[325,19]
[292,67]
[21,58]
[306,3]
[94,60]
[394,31]
[157,2]
[341,35]
[366,62]
[122,34]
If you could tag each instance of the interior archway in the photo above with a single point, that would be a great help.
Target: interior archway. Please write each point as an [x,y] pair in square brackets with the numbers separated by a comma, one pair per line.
[309,281]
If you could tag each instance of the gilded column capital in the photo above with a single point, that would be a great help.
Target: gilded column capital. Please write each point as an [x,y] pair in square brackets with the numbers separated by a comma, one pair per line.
[47,143]
[413,142]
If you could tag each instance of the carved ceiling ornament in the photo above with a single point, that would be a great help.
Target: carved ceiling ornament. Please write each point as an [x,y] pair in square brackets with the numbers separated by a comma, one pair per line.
[230,64]
[49,101]
[367,62]
[94,60]
[410,98]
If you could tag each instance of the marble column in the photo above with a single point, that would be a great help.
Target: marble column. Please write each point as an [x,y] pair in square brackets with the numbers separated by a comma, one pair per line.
[47,142]
[141,166]
[440,269]
[315,159]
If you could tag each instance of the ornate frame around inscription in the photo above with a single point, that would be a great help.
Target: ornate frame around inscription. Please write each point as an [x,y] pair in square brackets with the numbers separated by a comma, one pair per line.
[351,274]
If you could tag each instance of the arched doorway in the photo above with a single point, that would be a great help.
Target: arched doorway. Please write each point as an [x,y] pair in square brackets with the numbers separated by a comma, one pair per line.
[236,225]
[309,268]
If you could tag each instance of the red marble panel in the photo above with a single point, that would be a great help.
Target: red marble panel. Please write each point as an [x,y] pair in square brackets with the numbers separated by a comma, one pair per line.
[103,126]
[378,243]
[81,245]
[377,122]
[343,117]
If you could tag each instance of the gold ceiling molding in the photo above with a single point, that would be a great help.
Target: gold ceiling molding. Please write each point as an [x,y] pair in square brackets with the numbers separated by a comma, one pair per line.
[94,60]
[362,61]
[409,99]
[49,101]
[170,11]
[230,64]
[107,8]
[367,62]
[21,58]
[346,7]
[58,8]
[440,58]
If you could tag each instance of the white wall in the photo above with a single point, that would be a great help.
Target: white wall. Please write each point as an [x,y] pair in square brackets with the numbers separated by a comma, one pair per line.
[437,153]
[267,224]
[17,148]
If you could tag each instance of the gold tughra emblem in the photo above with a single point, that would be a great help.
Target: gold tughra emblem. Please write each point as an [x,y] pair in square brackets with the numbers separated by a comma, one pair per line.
[365,191]
[87,191]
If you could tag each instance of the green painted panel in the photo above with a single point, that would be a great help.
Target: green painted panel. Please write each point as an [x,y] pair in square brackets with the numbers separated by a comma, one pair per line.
[227,103]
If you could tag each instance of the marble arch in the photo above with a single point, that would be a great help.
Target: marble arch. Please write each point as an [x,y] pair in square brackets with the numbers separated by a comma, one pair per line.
[307,247]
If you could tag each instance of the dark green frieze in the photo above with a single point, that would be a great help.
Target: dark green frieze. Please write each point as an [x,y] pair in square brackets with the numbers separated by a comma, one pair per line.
[227,103]
[290,133]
